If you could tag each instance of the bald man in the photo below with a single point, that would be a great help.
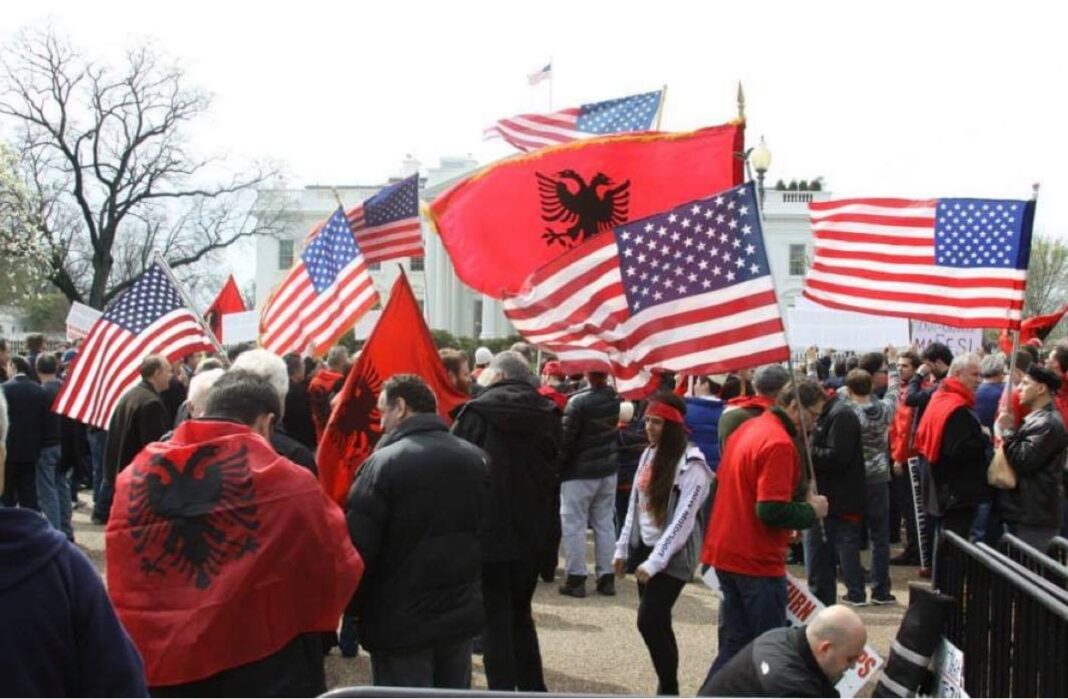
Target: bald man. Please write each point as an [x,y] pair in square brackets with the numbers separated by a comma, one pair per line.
[794,662]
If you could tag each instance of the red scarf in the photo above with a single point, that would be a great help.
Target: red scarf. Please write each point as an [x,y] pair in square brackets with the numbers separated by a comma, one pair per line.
[758,402]
[1061,399]
[950,396]
[220,552]
[555,396]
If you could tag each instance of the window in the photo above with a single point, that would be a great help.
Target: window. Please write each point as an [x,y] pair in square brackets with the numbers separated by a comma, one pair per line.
[417,264]
[797,261]
[285,254]
[478,318]
[374,266]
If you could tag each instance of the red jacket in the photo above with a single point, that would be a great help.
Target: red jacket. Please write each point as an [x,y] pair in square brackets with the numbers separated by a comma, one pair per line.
[901,431]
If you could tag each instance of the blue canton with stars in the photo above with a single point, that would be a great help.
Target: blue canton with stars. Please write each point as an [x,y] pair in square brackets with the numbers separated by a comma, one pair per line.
[395,202]
[331,251]
[696,248]
[151,297]
[982,233]
[634,113]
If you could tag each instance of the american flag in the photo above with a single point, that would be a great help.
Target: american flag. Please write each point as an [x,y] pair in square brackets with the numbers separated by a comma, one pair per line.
[387,225]
[324,295]
[544,73]
[960,262]
[685,290]
[529,132]
[150,317]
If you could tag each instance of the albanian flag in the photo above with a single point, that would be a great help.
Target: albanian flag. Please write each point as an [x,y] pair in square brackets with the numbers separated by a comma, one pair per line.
[220,552]
[1035,328]
[399,344]
[228,301]
[506,221]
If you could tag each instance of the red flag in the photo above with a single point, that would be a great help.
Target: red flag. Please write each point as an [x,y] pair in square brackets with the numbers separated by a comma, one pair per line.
[505,222]
[399,344]
[228,301]
[1034,328]
[220,552]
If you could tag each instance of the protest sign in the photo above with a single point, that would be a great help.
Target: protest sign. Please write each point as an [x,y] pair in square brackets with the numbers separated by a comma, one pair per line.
[241,327]
[957,339]
[79,319]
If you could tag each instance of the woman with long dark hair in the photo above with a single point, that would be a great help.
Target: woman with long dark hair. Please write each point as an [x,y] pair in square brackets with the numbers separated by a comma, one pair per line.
[659,542]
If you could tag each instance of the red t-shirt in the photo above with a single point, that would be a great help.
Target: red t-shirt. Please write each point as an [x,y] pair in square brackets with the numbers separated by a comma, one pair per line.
[760,464]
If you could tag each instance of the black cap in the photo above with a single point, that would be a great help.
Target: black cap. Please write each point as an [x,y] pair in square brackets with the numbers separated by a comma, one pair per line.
[1043,375]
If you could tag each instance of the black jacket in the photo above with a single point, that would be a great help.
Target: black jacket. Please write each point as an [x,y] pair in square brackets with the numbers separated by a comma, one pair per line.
[589,440]
[415,513]
[52,427]
[779,663]
[293,450]
[520,431]
[140,418]
[27,412]
[838,457]
[1036,453]
[297,417]
[960,472]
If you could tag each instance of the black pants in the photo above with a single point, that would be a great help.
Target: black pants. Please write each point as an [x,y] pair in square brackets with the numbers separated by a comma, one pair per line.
[20,484]
[510,642]
[444,665]
[658,596]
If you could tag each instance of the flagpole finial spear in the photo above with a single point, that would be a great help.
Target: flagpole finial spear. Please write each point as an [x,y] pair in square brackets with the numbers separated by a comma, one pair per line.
[338,198]
[741,102]
[1034,190]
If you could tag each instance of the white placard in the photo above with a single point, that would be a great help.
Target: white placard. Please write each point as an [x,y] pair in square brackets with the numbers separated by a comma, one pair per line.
[80,319]
[800,606]
[957,339]
[241,327]
[948,668]
[809,324]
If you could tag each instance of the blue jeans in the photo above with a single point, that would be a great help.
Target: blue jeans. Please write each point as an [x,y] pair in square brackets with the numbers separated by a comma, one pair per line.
[97,439]
[879,535]
[750,606]
[823,557]
[53,490]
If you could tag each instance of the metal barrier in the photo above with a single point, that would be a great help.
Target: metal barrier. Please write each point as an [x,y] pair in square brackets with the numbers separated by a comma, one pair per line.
[1058,549]
[1010,623]
[1034,560]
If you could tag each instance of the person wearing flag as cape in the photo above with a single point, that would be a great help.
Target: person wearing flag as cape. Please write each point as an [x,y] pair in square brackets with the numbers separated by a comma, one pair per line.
[226,561]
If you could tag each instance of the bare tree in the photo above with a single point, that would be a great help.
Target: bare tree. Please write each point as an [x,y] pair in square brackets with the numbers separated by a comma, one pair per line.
[1047,277]
[105,167]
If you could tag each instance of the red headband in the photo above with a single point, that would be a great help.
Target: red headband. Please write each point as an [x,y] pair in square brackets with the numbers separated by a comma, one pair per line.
[665,411]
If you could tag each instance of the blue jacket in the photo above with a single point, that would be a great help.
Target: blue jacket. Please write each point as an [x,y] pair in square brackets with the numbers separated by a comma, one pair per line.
[987,397]
[702,417]
[59,635]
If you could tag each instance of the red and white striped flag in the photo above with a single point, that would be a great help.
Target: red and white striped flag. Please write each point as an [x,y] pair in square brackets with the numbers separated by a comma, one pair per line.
[687,290]
[959,262]
[150,317]
[328,290]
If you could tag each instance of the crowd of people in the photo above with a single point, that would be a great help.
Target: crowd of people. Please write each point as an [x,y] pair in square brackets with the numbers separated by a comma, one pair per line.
[229,569]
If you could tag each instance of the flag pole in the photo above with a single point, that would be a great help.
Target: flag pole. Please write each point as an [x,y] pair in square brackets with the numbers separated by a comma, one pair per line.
[741,112]
[188,302]
[1016,339]
[660,107]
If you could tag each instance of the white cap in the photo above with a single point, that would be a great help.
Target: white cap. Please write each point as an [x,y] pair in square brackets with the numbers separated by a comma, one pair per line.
[483,356]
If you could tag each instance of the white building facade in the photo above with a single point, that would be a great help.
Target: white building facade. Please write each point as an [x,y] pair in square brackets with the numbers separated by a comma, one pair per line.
[450,305]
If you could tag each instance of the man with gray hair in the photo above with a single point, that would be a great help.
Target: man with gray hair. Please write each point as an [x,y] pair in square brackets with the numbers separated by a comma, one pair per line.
[768,382]
[988,395]
[952,440]
[520,431]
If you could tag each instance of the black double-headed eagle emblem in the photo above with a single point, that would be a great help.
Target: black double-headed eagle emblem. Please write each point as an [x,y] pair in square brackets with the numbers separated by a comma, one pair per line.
[585,208]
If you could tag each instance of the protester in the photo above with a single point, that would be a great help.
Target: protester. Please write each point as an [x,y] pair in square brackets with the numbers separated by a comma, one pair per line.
[5,359]
[990,391]
[59,636]
[28,407]
[874,418]
[139,418]
[760,498]
[1058,364]
[520,432]
[457,367]
[767,383]
[269,366]
[177,390]
[838,459]
[659,541]
[526,351]
[199,387]
[297,421]
[806,661]
[738,384]
[951,440]
[325,384]
[35,344]
[588,484]
[703,411]
[902,428]
[53,480]
[483,357]
[1036,452]
[554,383]
[415,513]
[252,551]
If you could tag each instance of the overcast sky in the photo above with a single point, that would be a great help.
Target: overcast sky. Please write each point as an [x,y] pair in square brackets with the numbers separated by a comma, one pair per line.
[887,99]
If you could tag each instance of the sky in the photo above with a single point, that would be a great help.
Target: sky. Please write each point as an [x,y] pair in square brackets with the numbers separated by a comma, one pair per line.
[900,99]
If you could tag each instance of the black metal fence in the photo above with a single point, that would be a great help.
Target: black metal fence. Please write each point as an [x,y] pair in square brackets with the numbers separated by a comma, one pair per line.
[1011,623]
[1035,561]
[1058,549]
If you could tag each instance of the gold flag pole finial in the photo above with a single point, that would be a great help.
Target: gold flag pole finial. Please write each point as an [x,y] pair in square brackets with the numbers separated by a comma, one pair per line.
[741,102]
